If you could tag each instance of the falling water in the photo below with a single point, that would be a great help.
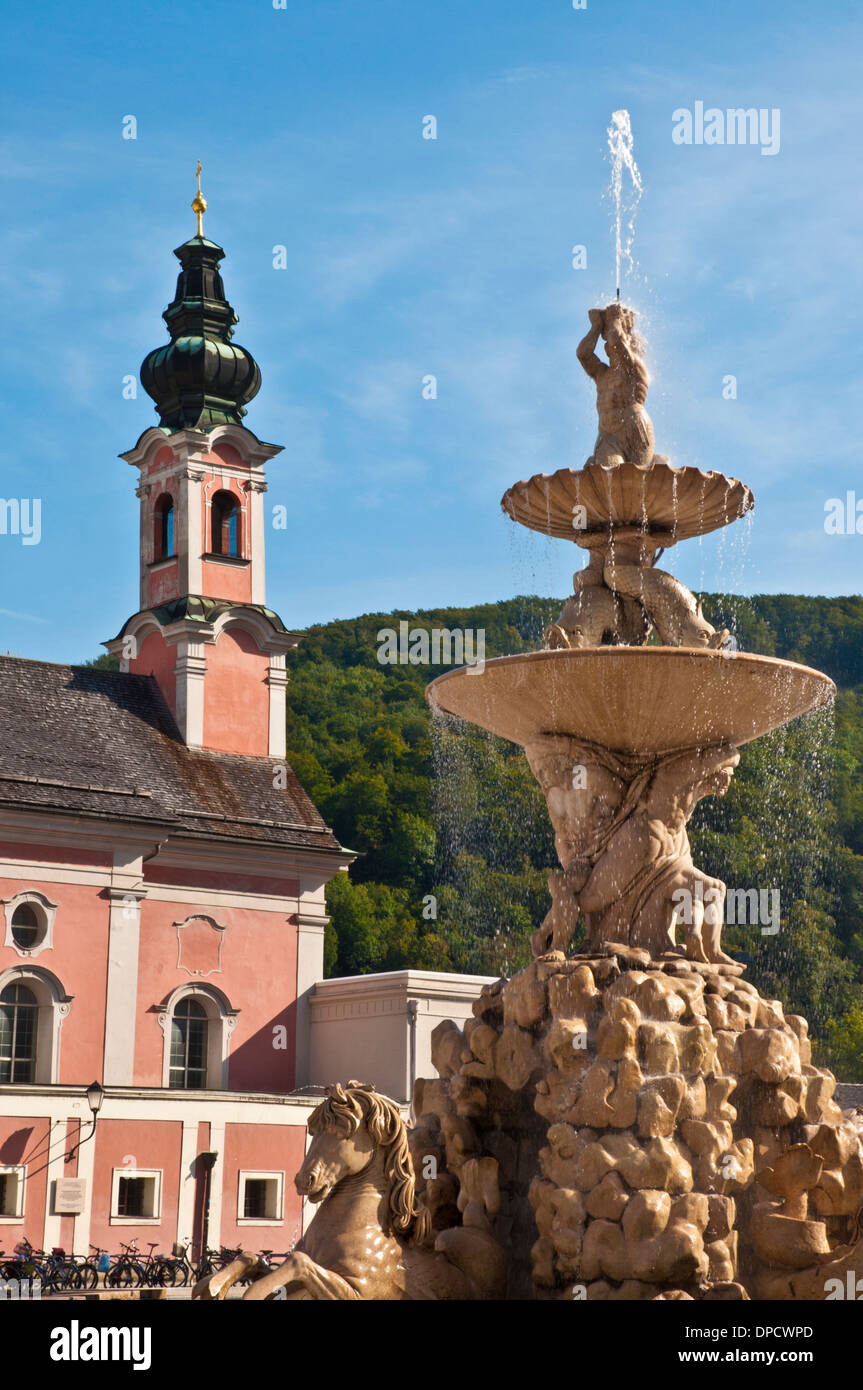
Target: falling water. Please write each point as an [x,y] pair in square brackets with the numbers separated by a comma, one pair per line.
[620,153]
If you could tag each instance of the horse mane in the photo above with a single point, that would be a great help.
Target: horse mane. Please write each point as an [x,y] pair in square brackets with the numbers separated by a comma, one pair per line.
[348,1107]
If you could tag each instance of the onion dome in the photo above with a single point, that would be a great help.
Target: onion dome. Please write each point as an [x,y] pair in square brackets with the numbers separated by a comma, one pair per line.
[200,379]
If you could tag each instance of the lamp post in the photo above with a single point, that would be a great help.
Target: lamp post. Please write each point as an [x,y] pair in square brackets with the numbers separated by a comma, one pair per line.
[95,1095]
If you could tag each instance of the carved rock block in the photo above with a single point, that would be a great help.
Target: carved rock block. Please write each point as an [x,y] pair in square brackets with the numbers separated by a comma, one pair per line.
[516,1058]
[657,1049]
[770,1053]
[524,998]
[573,995]
[617,1032]
[784,1241]
[608,1200]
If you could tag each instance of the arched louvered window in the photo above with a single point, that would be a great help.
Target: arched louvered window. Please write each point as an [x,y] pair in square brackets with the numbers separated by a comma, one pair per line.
[163,517]
[225,525]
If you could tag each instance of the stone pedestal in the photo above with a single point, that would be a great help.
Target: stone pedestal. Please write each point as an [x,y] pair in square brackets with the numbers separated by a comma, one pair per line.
[642,1128]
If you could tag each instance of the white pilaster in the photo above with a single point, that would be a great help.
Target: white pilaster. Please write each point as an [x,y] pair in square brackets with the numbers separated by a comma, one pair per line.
[54,1171]
[311,925]
[145,539]
[187,1190]
[190,671]
[121,997]
[257,540]
[277,680]
[189,529]
[86,1168]
[217,1146]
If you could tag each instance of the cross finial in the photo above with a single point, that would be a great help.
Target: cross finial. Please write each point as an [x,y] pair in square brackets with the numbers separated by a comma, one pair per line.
[199,203]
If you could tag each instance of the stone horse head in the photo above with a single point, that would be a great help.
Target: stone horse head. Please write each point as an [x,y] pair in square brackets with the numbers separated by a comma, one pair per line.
[351,1131]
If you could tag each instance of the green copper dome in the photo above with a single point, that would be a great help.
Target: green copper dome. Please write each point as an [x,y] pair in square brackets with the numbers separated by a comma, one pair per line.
[200,378]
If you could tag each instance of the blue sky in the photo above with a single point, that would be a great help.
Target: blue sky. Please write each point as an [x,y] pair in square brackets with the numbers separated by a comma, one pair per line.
[409,256]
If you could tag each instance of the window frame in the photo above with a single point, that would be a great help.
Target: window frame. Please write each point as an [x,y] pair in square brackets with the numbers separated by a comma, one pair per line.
[45,911]
[154,1175]
[225,517]
[19,1172]
[222,1020]
[257,1175]
[203,1019]
[54,1005]
[32,1058]
[164,507]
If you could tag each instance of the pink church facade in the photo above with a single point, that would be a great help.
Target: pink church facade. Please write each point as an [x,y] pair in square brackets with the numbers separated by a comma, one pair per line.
[162,872]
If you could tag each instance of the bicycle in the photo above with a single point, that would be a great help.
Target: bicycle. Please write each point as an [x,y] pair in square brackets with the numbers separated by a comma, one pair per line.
[25,1264]
[127,1272]
[159,1271]
[90,1268]
[59,1271]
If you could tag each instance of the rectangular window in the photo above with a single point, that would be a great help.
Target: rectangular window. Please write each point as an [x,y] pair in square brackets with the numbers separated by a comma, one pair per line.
[261,1198]
[130,1201]
[255,1205]
[136,1196]
[12,1193]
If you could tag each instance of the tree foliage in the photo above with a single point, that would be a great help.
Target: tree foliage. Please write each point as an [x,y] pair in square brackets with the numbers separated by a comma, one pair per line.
[453,840]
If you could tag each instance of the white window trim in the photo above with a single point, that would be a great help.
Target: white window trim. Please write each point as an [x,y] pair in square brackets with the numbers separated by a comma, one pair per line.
[273,1176]
[20,1170]
[222,1021]
[46,911]
[53,1008]
[117,1174]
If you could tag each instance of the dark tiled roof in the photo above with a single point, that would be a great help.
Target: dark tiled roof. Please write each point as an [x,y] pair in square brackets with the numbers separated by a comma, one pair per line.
[100,743]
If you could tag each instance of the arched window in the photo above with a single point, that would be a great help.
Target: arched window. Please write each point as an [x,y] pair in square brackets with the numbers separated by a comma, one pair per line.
[163,516]
[197,1022]
[225,525]
[19,1017]
[188,1064]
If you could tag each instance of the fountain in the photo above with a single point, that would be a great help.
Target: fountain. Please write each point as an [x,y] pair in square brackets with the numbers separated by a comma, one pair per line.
[658,1129]
[630,1120]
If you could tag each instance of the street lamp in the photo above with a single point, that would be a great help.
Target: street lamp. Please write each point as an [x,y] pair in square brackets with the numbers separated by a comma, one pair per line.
[95,1095]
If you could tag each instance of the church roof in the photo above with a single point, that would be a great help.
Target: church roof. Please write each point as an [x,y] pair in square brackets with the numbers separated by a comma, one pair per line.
[104,744]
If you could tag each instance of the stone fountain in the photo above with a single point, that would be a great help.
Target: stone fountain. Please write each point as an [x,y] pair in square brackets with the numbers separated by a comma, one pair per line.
[630,1120]
[643,1123]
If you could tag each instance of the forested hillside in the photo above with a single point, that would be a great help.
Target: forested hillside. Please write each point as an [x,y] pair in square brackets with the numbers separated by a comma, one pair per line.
[454,842]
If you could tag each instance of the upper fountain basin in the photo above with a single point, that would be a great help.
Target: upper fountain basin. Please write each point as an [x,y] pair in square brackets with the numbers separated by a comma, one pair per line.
[635,700]
[668,504]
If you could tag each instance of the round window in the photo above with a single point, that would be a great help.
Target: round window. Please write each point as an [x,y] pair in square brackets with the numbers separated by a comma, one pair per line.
[27,926]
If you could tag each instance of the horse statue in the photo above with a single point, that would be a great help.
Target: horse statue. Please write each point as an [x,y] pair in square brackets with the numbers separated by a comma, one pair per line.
[371,1238]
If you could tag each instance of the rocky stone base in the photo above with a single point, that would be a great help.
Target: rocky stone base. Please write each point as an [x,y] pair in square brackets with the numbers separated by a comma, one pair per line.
[633,1128]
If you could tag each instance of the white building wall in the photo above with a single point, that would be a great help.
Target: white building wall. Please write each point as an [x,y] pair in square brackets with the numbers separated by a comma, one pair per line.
[361,1028]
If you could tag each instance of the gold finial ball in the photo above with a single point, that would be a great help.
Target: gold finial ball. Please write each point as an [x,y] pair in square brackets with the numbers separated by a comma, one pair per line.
[199,203]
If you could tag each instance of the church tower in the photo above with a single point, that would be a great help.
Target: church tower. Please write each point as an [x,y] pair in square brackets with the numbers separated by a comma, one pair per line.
[203,628]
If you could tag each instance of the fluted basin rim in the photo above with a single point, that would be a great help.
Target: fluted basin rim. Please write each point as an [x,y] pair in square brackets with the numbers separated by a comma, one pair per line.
[656,500]
[641,701]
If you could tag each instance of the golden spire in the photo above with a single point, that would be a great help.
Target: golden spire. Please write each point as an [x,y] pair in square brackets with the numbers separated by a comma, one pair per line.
[199,203]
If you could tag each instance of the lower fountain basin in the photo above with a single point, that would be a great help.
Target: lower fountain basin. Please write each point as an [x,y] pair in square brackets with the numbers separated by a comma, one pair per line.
[634,700]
